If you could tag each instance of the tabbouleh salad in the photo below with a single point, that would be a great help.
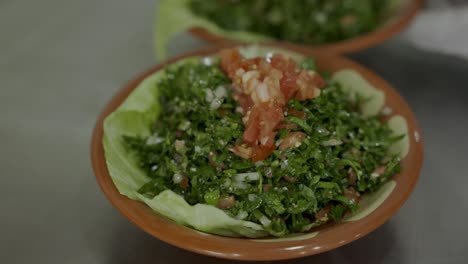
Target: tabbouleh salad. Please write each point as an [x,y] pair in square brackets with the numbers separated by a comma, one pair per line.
[267,140]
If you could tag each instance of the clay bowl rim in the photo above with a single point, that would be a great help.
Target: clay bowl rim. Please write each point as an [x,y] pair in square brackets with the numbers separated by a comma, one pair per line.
[358,43]
[330,236]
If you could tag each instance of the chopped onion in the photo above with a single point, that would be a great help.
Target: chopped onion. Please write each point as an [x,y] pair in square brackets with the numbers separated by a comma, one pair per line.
[264,140]
[332,142]
[216,103]
[241,215]
[262,93]
[249,176]
[208,61]
[265,221]
[386,111]
[278,142]
[209,96]
[252,197]
[177,178]
[240,185]
[245,119]
[227,183]
[154,140]
[322,130]
[220,92]
[249,75]
[240,71]
[268,56]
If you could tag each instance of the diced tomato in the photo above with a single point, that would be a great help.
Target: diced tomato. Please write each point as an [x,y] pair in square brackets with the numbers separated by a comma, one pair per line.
[322,215]
[262,88]
[352,177]
[261,152]
[262,123]
[267,187]
[290,73]
[290,179]
[297,113]
[274,90]
[319,81]
[282,63]
[286,125]
[352,195]
[308,84]
[244,101]
[252,129]
[226,202]
[264,67]
[230,60]
[184,183]
[289,86]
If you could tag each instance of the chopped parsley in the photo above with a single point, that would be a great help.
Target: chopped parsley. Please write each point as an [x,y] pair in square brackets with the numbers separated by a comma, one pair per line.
[343,155]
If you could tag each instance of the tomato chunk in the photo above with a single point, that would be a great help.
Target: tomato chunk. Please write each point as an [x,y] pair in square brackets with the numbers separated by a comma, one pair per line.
[262,88]
[261,152]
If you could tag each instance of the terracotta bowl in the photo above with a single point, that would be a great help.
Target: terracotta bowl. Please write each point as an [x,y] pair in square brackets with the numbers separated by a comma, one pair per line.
[329,237]
[399,21]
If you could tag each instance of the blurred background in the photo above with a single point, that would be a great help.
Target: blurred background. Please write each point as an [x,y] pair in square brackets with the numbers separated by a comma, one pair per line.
[61,61]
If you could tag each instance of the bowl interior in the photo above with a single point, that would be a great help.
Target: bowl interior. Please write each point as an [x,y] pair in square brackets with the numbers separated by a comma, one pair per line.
[320,240]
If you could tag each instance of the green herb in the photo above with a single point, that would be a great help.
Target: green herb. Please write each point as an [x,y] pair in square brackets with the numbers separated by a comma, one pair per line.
[337,212]
[212,197]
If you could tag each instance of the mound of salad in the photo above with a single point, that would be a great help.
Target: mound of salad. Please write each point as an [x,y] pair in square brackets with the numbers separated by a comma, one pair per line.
[249,147]
[306,22]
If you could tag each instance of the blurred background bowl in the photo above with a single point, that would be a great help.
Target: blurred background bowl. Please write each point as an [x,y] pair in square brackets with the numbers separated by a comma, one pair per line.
[398,18]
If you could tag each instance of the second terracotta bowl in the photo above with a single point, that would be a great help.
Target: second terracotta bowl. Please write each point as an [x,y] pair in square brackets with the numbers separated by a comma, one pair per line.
[396,22]
[323,239]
